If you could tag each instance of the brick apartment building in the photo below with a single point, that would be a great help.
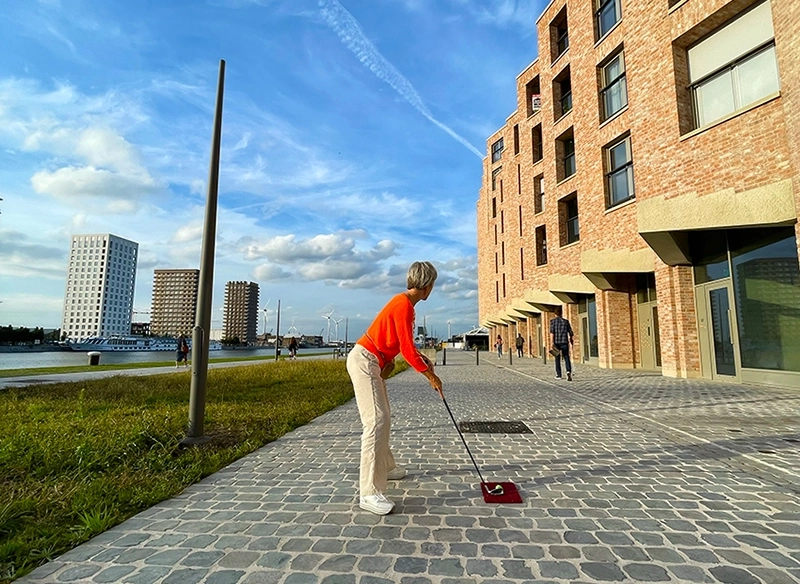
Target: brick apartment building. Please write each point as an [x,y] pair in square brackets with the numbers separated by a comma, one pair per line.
[241,312]
[174,304]
[649,182]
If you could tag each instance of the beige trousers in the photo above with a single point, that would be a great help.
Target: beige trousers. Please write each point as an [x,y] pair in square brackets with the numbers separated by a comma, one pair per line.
[373,407]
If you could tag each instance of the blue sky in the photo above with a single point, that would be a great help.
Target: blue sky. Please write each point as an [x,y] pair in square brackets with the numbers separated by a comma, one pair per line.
[353,133]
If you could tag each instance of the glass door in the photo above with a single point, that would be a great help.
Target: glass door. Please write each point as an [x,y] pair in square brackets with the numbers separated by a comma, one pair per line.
[720,331]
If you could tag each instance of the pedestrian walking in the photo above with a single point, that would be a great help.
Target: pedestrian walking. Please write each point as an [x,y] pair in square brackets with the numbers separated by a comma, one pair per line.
[293,349]
[561,339]
[369,363]
[520,342]
[182,352]
[499,346]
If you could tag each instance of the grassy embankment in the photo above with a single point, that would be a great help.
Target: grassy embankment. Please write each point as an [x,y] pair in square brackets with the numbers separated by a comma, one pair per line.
[148,365]
[78,458]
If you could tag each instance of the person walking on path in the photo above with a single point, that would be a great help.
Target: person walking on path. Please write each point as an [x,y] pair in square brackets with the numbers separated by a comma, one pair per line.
[499,346]
[520,342]
[369,363]
[293,349]
[561,338]
[182,352]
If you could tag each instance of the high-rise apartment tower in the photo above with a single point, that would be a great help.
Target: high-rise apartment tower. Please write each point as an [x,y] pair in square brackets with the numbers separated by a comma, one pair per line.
[174,302]
[241,311]
[100,280]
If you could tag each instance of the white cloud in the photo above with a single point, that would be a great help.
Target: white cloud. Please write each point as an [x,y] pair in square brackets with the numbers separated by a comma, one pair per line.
[19,257]
[270,273]
[186,233]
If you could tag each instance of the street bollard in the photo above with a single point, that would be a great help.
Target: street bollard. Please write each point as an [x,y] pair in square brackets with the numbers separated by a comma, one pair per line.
[94,357]
[510,356]
[477,358]
[444,355]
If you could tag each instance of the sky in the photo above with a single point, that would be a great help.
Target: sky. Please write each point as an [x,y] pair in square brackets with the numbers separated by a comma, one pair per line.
[352,145]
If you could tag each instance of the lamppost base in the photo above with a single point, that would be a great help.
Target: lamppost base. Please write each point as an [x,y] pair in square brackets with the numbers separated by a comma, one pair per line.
[194,441]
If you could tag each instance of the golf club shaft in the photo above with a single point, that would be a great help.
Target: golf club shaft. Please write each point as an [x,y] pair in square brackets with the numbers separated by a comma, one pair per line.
[475,464]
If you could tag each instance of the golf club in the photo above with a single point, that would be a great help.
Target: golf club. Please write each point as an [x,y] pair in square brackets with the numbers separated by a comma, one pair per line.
[497,490]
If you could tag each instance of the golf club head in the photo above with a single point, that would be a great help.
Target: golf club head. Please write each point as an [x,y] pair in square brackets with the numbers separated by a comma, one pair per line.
[497,490]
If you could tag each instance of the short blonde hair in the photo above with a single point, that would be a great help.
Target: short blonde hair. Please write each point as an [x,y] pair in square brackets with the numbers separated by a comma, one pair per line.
[421,275]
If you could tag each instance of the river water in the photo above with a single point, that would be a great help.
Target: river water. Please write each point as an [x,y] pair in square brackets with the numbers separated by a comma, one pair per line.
[64,358]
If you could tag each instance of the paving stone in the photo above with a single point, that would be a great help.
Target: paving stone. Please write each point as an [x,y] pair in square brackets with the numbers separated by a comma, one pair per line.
[78,573]
[185,576]
[224,577]
[483,568]
[148,575]
[731,575]
[605,572]
[516,569]
[406,565]
[301,578]
[558,570]
[339,579]
[113,574]
[686,573]
[374,564]
[647,572]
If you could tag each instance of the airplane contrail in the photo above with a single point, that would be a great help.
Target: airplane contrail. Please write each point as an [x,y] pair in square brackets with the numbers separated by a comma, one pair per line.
[352,36]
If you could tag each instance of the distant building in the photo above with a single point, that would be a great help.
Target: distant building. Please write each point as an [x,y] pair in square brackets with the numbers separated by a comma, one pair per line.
[174,302]
[241,311]
[140,329]
[101,275]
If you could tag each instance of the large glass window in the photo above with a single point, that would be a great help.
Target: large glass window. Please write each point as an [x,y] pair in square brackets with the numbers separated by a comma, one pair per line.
[709,251]
[734,67]
[607,15]
[766,285]
[571,230]
[619,178]
[614,92]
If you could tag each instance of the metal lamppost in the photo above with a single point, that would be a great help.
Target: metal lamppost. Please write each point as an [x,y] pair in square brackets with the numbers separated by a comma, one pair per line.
[205,289]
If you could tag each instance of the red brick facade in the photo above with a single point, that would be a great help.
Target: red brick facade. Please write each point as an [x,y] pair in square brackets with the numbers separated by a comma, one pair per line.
[755,148]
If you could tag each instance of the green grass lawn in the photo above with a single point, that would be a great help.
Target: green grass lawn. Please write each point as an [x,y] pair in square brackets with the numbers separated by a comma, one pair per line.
[116,366]
[78,458]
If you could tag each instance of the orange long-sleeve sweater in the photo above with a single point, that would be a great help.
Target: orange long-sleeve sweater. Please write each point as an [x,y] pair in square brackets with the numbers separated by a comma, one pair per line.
[391,333]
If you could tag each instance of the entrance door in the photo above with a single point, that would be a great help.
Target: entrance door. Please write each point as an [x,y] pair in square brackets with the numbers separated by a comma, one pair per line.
[649,340]
[716,321]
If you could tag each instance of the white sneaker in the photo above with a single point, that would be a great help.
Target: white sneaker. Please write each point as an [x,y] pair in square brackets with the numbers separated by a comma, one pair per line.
[396,473]
[377,504]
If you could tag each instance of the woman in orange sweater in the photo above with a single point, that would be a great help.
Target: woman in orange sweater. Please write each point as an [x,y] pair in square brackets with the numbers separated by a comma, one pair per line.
[369,363]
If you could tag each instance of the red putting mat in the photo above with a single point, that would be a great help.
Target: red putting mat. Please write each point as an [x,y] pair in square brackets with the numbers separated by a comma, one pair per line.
[510,493]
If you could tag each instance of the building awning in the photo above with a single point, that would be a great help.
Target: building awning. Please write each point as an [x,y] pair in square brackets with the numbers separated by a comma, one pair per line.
[567,287]
[602,266]
[665,222]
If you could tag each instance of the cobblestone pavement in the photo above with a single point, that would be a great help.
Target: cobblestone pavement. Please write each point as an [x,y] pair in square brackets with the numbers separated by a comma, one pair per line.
[625,477]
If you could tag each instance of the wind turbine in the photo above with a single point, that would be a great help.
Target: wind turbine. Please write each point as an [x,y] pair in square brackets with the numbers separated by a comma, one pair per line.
[328,318]
[265,319]
[336,322]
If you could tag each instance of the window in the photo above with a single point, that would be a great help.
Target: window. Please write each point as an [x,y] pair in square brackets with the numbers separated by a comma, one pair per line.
[536,138]
[521,264]
[541,245]
[568,215]
[533,97]
[734,67]
[614,92]
[562,93]
[516,138]
[619,175]
[565,154]
[495,172]
[538,194]
[559,35]
[497,150]
[607,15]
[494,207]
